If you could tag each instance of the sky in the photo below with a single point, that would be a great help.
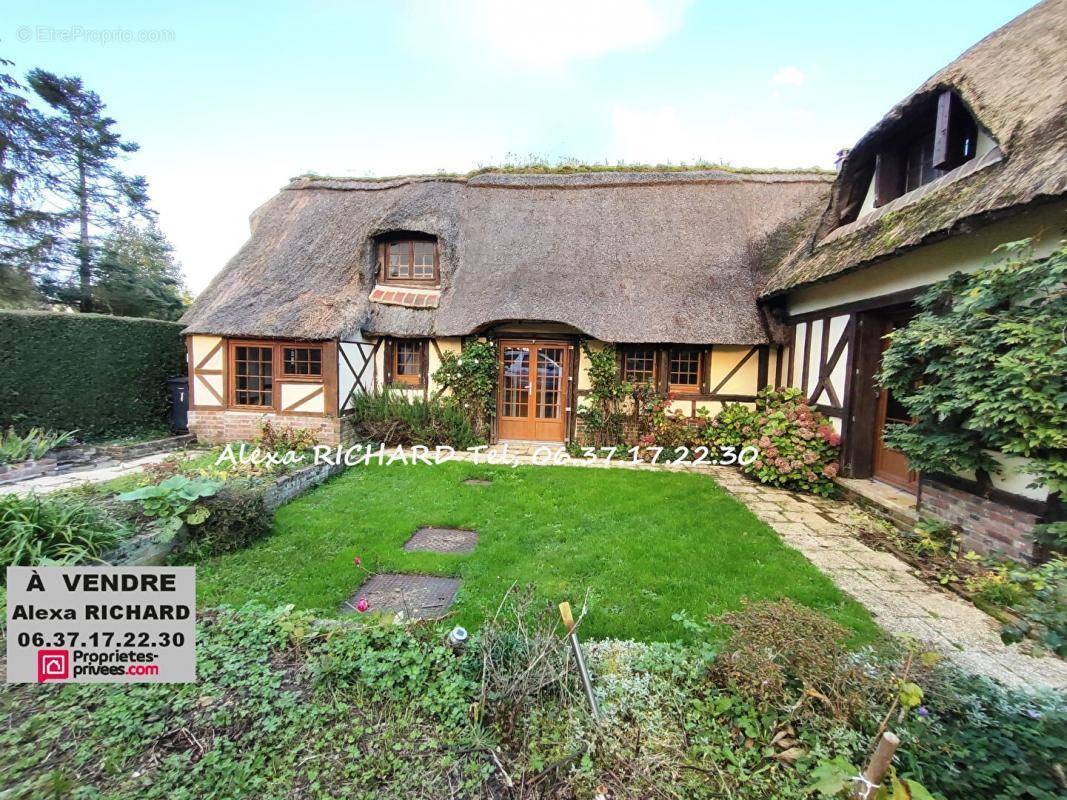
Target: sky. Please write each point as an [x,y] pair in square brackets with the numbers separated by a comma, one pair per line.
[228,100]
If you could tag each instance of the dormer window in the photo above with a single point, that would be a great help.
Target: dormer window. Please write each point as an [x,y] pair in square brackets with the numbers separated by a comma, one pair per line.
[408,259]
[928,143]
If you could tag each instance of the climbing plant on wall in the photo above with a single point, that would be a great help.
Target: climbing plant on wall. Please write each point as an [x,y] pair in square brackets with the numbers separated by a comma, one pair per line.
[470,380]
[602,415]
[981,369]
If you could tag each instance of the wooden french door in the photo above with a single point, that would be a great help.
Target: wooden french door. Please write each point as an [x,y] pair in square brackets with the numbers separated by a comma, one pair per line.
[532,394]
[891,465]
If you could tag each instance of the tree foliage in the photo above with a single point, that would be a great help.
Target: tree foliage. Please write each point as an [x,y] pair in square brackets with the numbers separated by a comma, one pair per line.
[981,369]
[85,181]
[136,275]
[27,230]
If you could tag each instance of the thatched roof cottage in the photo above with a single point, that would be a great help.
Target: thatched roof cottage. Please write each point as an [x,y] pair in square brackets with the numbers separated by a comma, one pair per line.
[713,283]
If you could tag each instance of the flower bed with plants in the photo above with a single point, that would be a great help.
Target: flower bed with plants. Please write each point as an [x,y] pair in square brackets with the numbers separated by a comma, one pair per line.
[764,702]
[795,447]
[1030,601]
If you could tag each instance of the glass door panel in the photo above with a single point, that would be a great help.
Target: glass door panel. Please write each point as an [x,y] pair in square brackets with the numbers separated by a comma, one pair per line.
[515,382]
[549,382]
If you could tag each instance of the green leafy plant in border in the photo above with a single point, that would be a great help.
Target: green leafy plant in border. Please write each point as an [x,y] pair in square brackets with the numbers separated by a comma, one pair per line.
[797,446]
[46,530]
[33,445]
[980,369]
[602,415]
[470,379]
[174,501]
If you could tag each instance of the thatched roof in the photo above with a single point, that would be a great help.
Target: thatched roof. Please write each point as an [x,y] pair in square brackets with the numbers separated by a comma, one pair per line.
[1014,82]
[622,256]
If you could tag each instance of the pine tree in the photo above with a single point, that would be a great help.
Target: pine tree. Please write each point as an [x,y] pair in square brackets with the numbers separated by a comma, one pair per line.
[28,230]
[92,192]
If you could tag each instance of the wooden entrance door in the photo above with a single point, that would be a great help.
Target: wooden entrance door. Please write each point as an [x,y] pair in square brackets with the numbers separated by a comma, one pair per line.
[532,394]
[891,465]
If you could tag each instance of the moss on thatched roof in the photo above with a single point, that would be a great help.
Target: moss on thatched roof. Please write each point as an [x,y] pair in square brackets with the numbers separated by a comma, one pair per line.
[622,256]
[1015,83]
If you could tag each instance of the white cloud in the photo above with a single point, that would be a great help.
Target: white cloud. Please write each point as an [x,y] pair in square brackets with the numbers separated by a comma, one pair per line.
[548,35]
[745,137]
[788,76]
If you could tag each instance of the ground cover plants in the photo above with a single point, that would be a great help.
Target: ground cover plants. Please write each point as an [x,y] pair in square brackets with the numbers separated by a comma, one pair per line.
[1030,600]
[648,545]
[287,706]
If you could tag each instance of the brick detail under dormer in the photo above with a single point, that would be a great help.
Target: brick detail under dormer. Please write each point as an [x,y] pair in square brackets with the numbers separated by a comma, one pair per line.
[412,297]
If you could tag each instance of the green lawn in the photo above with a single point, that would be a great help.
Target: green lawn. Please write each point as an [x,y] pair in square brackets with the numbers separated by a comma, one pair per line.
[647,545]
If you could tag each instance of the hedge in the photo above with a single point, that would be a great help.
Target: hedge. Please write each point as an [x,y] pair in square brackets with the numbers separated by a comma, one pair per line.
[100,375]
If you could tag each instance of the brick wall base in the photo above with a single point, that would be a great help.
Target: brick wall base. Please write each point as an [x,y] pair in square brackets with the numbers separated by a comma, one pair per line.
[987,526]
[219,427]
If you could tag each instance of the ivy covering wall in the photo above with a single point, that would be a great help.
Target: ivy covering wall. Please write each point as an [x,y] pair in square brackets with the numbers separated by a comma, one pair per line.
[101,375]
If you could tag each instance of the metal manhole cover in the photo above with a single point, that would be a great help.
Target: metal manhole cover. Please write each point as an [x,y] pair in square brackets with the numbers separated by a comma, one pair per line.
[418,596]
[442,540]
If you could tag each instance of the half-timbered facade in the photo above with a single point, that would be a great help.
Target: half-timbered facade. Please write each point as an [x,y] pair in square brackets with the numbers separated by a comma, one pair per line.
[712,284]
[352,284]
[974,158]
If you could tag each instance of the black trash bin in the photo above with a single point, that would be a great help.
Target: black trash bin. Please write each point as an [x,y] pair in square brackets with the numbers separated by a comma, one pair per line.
[178,389]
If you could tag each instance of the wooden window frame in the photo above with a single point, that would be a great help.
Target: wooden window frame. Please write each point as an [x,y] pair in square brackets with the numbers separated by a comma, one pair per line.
[633,350]
[686,388]
[328,378]
[383,261]
[290,377]
[391,353]
[950,125]
[231,382]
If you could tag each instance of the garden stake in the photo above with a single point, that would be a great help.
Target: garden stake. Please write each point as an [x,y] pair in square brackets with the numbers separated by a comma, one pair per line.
[869,780]
[587,682]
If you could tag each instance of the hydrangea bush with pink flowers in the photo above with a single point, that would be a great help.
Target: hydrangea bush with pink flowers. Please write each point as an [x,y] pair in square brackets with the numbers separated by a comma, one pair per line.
[798,447]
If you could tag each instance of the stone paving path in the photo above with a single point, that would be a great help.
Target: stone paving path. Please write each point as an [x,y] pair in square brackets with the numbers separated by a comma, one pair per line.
[66,480]
[904,605]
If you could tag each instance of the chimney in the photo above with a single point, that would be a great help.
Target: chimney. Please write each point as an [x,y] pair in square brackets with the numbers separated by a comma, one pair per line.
[842,154]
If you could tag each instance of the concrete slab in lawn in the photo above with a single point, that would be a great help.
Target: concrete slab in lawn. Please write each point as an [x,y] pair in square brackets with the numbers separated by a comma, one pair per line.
[417,596]
[442,540]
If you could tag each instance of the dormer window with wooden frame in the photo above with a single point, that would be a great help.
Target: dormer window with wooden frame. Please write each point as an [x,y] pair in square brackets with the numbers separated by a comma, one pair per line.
[930,142]
[408,260]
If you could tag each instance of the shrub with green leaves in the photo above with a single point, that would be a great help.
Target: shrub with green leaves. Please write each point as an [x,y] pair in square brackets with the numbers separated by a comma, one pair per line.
[37,531]
[389,416]
[1041,605]
[602,412]
[469,380]
[981,369]
[797,446]
[733,427]
[236,518]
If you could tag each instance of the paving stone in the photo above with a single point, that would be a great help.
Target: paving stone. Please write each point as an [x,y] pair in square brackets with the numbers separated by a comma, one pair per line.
[442,540]
[416,596]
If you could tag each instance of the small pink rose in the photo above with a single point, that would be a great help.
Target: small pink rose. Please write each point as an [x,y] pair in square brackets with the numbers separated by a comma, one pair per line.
[357,561]
[362,605]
